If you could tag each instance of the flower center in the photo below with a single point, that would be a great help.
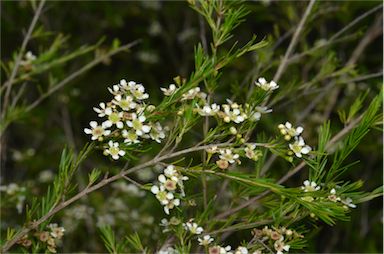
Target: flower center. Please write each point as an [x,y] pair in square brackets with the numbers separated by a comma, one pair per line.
[114,118]
[98,131]
[114,151]
[137,125]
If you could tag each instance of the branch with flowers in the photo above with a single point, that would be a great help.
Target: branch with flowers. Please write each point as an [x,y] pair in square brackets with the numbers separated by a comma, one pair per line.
[208,155]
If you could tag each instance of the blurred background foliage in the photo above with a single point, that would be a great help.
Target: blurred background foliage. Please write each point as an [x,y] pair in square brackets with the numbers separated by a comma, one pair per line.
[168,33]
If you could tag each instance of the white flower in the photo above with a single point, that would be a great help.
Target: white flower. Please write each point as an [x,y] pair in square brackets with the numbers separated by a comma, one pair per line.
[171,90]
[103,110]
[348,202]
[193,93]
[310,186]
[280,246]
[56,231]
[130,137]
[333,196]
[126,102]
[226,250]
[97,131]
[161,194]
[288,131]
[263,84]
[29,56]
[299,147]
[206,240]
[241,250]
[209,110]
[251,153]
[232,113]
[157,133]
[114,150]
[193,228]
[137,124]
[227,155]
[137,90]
[115,90]
[172,203]
[114,118]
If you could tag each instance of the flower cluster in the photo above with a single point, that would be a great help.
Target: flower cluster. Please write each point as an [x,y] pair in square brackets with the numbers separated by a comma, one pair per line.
[169,183]
[347,202]
[229,112]
[276,237]
[228,250]
[228,156]
[125,117]
[266,86]
[298,147]
[49,237]
[311,186]
[232,111]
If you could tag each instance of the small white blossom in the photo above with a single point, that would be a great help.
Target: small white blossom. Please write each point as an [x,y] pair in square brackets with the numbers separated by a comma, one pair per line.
[226,250]
[310,186]
[170,90]
[280,246]
[227,155]
[193,93]
[114,150]
[97,131]
[137,90]
[161,194]
[137,124]
[263,84]
[56,231]
[171,204]
[299,147]
[251,153]
[124,102]
[157,133]
[130,137]
[209,110]
[103,110]
[333,197]
[289,131]
[348,203]
[114,118]
[206,240]
[241,250]
[193,228]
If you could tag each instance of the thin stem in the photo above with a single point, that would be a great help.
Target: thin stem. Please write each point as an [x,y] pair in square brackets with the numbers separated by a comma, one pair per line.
[78,73]
[9,83]
[293,42]
[101,184]
[292,172]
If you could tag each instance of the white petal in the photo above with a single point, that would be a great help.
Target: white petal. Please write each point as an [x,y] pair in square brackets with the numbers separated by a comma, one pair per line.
[107,124]
[120,125]
[162,179]
[93,124]
[155,189]
[121,153]
[299,129]
[87,131]
[141,118]
[305,150]
[146,128]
